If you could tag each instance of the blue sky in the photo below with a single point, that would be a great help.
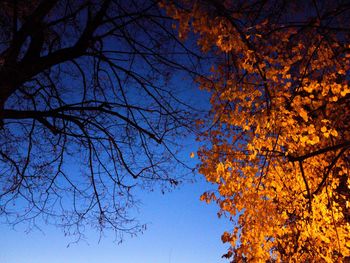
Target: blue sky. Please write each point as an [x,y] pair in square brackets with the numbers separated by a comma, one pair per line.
[180,229]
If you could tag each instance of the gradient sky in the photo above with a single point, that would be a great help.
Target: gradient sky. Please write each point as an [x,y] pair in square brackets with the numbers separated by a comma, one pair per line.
[181,229]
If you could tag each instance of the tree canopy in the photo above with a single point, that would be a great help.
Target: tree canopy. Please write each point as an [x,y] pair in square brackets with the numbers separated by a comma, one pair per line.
[278,144]
[87,110]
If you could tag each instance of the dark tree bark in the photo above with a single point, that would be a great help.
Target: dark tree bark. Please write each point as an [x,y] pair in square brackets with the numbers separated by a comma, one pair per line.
[87,114]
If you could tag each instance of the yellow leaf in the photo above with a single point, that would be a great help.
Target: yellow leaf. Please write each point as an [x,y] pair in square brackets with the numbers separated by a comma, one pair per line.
[334,133]
[303,114]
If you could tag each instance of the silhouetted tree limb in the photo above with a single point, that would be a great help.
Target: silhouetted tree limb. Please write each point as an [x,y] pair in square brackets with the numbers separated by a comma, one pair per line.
[87,110]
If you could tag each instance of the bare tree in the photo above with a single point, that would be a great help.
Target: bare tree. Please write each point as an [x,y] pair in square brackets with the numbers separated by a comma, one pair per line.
[85,109]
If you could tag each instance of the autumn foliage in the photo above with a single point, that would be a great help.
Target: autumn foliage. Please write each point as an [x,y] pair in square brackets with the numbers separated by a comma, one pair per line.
[278,146]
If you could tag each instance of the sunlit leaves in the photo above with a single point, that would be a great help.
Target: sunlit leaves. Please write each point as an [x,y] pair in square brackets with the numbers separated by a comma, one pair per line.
[278,147]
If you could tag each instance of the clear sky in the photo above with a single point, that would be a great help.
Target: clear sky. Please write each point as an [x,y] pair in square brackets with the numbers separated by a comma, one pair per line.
[181,229]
